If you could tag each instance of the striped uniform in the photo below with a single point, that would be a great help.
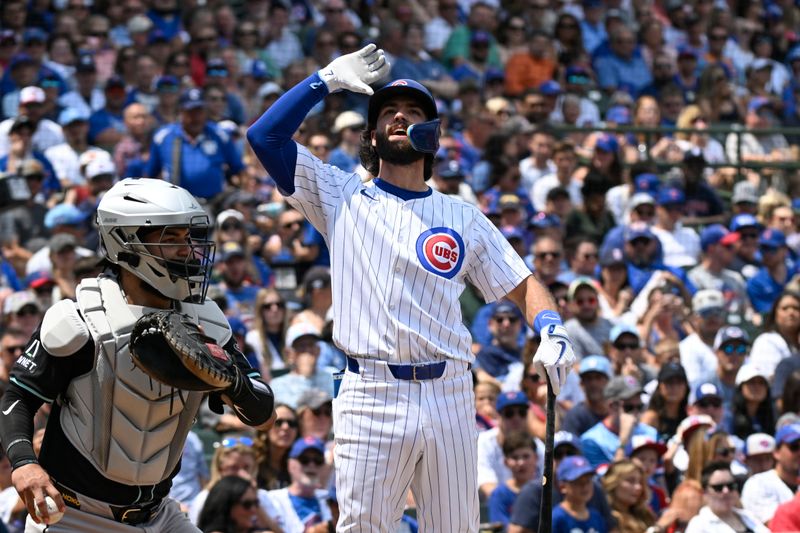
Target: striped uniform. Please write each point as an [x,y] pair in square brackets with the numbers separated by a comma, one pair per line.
[398,268]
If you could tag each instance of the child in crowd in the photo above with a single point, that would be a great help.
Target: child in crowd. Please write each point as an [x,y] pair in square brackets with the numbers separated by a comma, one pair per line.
[573,515]
[519,453]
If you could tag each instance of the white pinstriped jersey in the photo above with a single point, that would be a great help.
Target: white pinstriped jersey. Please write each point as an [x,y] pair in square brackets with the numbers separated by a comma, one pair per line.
[398,267]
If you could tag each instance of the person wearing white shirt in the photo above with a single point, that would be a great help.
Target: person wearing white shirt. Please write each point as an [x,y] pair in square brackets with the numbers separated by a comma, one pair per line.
[720,513]
[46,133]
[681,245]
[565,160]
[539,163]
[762,493]
[65,157]
[697,353]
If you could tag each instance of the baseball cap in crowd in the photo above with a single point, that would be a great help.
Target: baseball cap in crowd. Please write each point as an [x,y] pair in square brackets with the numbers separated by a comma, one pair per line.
[704,391]
[619,114]
[596,363]
[622,388]
[744,221]
[64,215]
[348,119]
[622,329]
[759,443]
[647,182]
[744,192]
[494,75]
[550,88]
[85,63]
[693,422]
[192,99]
[504,307]
[508,201]
[508,399]
[317,277]
[749,371]
[573,467]
[717,234]
[216,68]
[480,37]
[705,300]
[758,102]
[787,434]
[615,13]
[157,36]
[62,241]
[607,143]
[772,238]
[31,35]
[269,89]
[577,283]
[258,70]
[7,37]
[71,115]
[237,326]
[450,169]
[167,83]
[31,95]
[313,398]
[638,230]
[304,444]
[17,301]
[687,51]
[100,167]
[612,257]
[670,196]
[544,220]
[512,232]
[641,198]
[577,75]
[139,24]
[38,279]
[671,370]
[115,82]
[21,59]
[228,214]
[229,250]
[299,330]
[728,334]
[641,442]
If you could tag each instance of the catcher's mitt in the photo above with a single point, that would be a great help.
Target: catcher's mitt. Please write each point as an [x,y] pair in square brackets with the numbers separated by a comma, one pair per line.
[170,348]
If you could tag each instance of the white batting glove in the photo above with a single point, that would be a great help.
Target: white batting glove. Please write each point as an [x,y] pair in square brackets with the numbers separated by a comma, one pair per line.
[355,71]
[555,356]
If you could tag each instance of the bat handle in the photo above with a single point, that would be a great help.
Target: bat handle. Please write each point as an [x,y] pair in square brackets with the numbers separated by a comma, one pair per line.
[546,509]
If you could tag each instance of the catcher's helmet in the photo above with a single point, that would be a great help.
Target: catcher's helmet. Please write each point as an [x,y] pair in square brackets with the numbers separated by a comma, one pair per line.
[132,208]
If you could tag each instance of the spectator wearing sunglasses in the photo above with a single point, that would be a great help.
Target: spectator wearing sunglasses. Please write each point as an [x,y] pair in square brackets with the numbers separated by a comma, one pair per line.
[668,403]
[776,272]
[495,361]
[746,260]
[731,347]
[272,449]
[12,346]
[720,513]
[603,441]
[595,373]
[492,470]
[587,329]
[315,414]
[268,332]
[753,410]
[232,505]
[763,492]
[304,502]
[706,399]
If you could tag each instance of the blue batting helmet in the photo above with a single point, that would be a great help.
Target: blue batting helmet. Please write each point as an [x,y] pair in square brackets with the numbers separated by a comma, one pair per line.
[405,87]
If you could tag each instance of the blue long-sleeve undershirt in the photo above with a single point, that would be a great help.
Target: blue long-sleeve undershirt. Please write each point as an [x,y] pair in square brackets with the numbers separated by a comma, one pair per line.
[271,135]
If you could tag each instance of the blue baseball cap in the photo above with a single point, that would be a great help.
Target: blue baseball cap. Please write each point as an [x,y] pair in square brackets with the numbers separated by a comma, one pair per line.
[258,70]
[607,143]
[512,232]
[508,399]
[704,390]
[562,438]
[612,257]
[622,329]
[115,81]
[450,169]
[670,196]
[757,103]
[619,114]
[64,215]
[744,221]
[550,88]
[543,220]
[772,238]
[638,230]
[85,63]
[728,334]
[192,99]
[687,51]
[573,467]
[34,34]
[407,87]
[301,446]
[72,114]
[596,363]
[167,82]
[577,76]
[157,36]
[216,68]
[21,59]
[237,326]
[231,249]
[647,182]
[787,434]
[505,307]
[717,234]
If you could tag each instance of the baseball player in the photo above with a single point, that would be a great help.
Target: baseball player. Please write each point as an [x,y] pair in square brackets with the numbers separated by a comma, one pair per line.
[401,254]
[114,437]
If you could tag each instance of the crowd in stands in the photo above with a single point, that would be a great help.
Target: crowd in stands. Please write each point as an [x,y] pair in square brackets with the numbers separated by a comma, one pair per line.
[672,251]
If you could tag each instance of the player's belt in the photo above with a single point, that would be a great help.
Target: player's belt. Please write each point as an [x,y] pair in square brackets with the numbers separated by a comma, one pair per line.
[420,372]
[126,514]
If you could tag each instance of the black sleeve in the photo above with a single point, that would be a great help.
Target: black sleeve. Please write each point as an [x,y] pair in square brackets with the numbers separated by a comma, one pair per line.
[526,507]
[252,398]
[36,377]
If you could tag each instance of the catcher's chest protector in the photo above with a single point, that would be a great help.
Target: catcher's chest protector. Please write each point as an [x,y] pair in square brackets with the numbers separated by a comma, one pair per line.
[130,427]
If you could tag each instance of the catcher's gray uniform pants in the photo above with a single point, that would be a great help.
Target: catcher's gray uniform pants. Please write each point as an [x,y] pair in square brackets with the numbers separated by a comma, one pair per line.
[96,517]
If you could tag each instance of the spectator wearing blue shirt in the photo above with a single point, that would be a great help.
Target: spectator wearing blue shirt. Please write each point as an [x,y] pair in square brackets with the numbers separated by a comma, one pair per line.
[347,126]
[240,291]
[519,455]
[107,125]
[494,361]
[573,514]
[194,153]
[622,67]
[772,278]
[165,15]
[642,258]
[217,74]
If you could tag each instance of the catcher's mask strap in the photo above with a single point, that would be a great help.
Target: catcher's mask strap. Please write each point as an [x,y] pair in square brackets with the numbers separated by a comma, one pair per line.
[424,137]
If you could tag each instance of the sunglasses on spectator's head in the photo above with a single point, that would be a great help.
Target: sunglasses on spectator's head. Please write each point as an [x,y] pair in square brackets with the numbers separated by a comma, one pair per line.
[230,442]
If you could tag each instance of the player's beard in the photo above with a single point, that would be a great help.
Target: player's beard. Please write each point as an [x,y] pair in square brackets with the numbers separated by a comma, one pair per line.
[396,153]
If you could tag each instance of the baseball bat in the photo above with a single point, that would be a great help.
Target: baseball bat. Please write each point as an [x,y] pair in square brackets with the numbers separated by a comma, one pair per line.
[546,509]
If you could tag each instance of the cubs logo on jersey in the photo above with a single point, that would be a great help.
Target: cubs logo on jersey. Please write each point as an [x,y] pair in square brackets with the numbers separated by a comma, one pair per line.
[441,251]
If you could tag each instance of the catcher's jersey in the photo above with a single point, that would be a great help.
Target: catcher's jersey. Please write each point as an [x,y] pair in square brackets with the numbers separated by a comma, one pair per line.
[399,266]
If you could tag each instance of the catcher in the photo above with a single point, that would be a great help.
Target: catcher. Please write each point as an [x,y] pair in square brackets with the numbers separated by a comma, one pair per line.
[125,369]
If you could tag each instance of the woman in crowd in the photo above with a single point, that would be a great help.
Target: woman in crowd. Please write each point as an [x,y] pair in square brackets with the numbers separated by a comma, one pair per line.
[568,38]
[721,513]
[687,499]
[753,411]
[513,37]
[614,293]
[486,416]
[272,449]
[716,98]
[781,337]
[269,328]
[626,489]
[692,117]
[668,404]
[231,507]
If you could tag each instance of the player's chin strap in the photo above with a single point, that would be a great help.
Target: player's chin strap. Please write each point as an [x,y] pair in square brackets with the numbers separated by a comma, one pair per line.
[424,137]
